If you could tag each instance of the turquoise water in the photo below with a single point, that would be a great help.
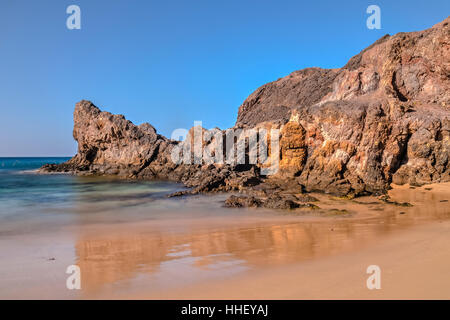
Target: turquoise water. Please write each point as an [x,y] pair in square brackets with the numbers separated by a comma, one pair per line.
[26,195]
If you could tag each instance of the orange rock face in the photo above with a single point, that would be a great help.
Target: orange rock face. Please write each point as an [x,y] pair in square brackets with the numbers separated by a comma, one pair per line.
[293,148]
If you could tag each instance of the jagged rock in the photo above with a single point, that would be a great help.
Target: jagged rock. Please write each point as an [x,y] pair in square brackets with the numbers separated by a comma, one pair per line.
[111,145]
[384,117]
[305,198]
[275,201]
[242,202]
[278,202]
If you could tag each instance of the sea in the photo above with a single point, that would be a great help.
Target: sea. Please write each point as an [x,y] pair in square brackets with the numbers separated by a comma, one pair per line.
[43,199]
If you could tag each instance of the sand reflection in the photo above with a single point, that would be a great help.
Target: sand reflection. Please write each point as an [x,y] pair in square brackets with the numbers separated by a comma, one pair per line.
[156,257]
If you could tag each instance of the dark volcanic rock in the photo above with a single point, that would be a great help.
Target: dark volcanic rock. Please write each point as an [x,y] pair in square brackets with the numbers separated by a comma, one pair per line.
[279,202]
[274,201]
[242,201]
[111,145]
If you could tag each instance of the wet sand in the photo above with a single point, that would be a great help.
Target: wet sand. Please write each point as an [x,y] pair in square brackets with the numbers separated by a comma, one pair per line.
[246,254]
[414,265]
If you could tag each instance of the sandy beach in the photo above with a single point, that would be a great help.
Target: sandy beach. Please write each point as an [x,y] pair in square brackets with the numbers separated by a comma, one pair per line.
[414,265]
[245,254]
[238,150]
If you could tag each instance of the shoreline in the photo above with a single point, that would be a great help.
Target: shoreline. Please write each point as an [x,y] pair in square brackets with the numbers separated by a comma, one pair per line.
[185,254]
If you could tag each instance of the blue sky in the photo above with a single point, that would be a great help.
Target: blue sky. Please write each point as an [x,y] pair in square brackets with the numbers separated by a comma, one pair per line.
[169,62]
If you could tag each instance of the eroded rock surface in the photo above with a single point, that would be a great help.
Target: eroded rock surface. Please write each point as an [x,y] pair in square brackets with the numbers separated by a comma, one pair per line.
[384,117]
[111,145]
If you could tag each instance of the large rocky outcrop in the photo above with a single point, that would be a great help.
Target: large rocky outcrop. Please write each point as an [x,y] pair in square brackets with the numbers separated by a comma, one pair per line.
[384,117]
[109,144]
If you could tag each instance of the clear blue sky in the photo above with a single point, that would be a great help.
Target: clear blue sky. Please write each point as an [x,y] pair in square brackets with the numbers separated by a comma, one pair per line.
[169,62]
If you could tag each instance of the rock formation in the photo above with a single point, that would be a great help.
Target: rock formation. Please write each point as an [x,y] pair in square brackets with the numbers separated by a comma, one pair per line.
[384,117]
[111,145]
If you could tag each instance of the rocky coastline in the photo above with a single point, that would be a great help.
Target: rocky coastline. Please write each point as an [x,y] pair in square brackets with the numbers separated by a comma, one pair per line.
[382,118]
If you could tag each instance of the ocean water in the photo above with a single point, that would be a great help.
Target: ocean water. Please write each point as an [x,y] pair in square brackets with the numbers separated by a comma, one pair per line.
[55,199]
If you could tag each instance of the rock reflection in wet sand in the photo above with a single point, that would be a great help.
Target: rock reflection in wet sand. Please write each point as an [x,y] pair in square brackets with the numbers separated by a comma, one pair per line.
[156,259]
